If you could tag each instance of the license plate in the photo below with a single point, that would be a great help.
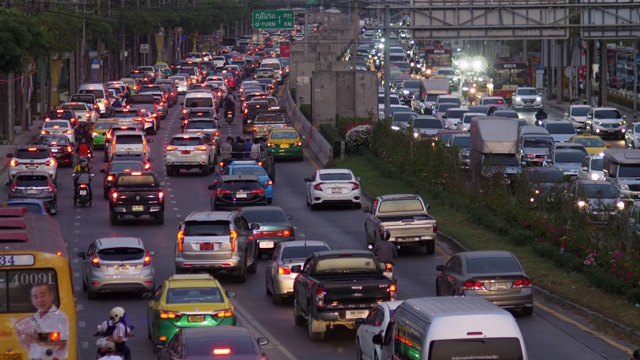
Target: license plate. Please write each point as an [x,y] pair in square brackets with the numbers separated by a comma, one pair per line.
[10,356]
[196,318]
[356,314]
[83,192]
[265,244]
[32,191]
[498,286]
[186,152]
[137,208]
[54,150]
[284,146]
[241,195]
[207,246]
[336,190]
[121,270]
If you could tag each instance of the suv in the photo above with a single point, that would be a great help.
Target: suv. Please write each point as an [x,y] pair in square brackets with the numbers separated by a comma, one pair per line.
[35,185]
[526,98]
[218,241]
[234,191]
[189,151]
[32,158]
[605,121]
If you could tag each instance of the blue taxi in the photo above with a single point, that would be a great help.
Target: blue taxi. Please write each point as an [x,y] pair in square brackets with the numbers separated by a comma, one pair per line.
[250,167]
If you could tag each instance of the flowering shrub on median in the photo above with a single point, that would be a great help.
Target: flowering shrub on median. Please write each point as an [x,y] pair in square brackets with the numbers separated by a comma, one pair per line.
[358,137]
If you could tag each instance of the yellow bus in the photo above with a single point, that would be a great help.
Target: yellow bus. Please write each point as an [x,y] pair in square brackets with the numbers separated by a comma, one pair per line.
[37,305]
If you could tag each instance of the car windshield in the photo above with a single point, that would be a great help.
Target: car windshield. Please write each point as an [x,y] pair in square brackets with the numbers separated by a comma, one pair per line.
[209,347]
[598,191]
[32,181]
[121,254]
[580,111]
[443,107]
[560,129]
[206,228]
[545,176]
[597,164]
[58,140]
[402,117]
[493,265]
[607,114]
[393,100]
[427,124]
[265,216]
[104,125]
[527,92]
[284,135]
[194,295]
[335,177]
[462,141]
[98,93]
[629,171]
[411,84]
[538,142]
[249,170]
[431,97]
[122,166]
[55,124]
[568,157]
[32,154]
[590,142]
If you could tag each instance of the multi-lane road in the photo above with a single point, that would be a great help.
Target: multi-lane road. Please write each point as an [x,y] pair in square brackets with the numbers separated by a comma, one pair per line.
[547,336]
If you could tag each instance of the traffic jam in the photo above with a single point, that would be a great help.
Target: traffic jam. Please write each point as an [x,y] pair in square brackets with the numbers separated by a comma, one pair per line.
[188,246]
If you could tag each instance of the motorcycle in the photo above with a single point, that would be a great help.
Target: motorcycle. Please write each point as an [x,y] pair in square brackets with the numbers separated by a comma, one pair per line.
[101,343]
[229,117]
[540,117]
[82,193]
[471,95]
[465,90]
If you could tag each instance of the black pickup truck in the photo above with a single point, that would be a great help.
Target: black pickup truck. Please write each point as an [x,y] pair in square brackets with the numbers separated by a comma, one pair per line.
[136,194]
[336,287]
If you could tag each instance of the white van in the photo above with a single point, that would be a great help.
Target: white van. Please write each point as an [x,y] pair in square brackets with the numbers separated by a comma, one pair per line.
[101,94]
[198,99]
[451,328]
[276,65]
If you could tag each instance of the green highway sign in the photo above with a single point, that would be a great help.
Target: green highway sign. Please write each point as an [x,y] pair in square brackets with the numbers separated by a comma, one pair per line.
[272,19]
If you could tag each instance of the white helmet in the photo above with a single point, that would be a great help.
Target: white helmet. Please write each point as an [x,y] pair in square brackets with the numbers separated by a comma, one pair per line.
[116,314]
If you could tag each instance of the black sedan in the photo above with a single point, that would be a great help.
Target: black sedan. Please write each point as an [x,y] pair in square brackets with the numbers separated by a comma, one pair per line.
[235,191]
[61,148]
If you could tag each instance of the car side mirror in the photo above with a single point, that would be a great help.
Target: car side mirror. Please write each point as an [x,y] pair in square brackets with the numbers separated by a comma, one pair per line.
[262,341]
[82,255]
[255,226]
[608,145]
[440,267]
[428,206]
[296,269]
[10,155]
[53,211]
[211,187]
[230,294]
[289,217]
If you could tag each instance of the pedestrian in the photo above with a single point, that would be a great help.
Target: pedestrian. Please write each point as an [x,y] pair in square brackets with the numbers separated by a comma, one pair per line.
[247,147]
[238,148]
[256,149]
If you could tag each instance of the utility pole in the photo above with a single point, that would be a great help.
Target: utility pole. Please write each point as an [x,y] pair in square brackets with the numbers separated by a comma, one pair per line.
[387,68]
[11,111]
[356,34]
[123,62]
[306,34]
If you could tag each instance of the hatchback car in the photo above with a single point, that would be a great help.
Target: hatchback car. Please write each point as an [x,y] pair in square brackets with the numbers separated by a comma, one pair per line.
[333,186]
[229,343]
[117,264]
[275,226]
[278,276]
[59,127]
[495,276]
[285,143]
[189,151]
[60,146]
[35,185]
[375,323]
[217,241]
[32,158]
[592,143]
[250,167]
[188,301]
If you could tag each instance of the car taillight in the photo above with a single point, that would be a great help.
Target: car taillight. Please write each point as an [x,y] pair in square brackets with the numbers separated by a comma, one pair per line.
[257,191]
[172,148]
[233,236]
[180,240]
[222,313]
[222,192]
[184,111]
[51,162]
[201,148]
[95,261]
[170,314]
[13,188]
[114,197]
[392,292]
[216,133]
[161,196]
[51,188]
[69,149]
[110,178]
[50,336]
[298,143]
[317,186]
[320,298]
[14,162]
[68,132]
[284,270]
[267,183]
[356,186]
[147,259]
[472,285]
[221,351]
[147,166]
[522,283]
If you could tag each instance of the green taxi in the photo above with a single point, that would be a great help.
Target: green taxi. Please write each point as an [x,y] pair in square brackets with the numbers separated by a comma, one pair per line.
[188,300]
[99,131]
[285,143]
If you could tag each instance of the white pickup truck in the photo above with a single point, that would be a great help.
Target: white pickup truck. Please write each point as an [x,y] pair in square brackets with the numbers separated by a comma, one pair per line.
[405,217]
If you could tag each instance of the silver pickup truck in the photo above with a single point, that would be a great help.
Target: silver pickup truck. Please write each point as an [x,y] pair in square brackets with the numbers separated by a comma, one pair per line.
[405,217]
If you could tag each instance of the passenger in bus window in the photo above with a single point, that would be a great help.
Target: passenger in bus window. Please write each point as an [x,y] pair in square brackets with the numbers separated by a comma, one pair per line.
[46,332]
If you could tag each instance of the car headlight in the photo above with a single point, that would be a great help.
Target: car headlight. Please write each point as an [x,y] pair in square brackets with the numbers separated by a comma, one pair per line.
[624,187]
[415,134]
[406,92]
[620,205]
[621,123]
[518,98]
[538,98]
[595,176]
[598,123]
[582,204]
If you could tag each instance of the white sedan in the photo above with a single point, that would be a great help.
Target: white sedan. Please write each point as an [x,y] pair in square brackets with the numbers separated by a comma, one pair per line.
[333,186]
[375,323]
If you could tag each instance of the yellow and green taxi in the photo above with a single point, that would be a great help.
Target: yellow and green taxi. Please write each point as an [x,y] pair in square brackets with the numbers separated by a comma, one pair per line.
[188,300]
[132,84]
[285,143]
[592,143]
[99,131]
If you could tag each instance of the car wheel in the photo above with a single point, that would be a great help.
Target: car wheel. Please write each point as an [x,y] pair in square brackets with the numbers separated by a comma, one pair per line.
[430,247]
[149,331]
[169,170]
[84,285]
[113,218]
[528,311]
[206,170]
[91,295]
[438,288]
[251,269]
[277,299]
[298,319]
[358,350]
[314,335]
[240,275]
[159,218]
[105,194]
[266,287]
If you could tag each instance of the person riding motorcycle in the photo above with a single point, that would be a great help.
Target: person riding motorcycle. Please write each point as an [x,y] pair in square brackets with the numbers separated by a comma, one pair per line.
[82,175]
[540,115]
[114,330]
[385,250]
[83,149]
[229,105]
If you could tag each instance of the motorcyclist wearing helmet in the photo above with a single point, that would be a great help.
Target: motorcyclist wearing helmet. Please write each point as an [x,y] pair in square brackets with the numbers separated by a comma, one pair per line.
[83,149]
[385,250]
[541,114]
[82,175]
[229,105]
[115,330]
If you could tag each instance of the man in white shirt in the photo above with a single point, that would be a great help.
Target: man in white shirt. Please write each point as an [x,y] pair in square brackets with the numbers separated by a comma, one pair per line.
[110,349]
[48,337]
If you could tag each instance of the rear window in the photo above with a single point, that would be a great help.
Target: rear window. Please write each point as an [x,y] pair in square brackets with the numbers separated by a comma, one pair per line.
[205,347]
[265,216]
[346,264]
[462,141]
[32,180]
[98,93]
[562,128]
[52,124]
[239,185]
[274,65]
[128,139]
[104,125]
[199,114]
[190,141]
[136,180]
[206,228]
[253,170]
[194,295]
[491,265]
[125,114]
[485,348]
[284,135]
[36,154]
[121,254]
[199,102]
[125,166]
[201,124]
[456,114]
[300,252]
[335,176]
[81,106]
[389,206]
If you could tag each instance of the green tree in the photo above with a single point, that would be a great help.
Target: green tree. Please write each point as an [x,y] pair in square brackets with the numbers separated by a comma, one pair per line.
[22,40]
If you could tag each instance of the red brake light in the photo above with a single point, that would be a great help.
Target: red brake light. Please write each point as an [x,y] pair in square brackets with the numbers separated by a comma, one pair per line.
[317,186]
[14,162]
[222,192]
[284,270]
[223,313]
[524,282]
[147,259]
[170,315]
[180,240]
[472,285]
[356,186]
[161,196]
[320,298]
[221,351]
[114,196]
[392,292]
[233,236]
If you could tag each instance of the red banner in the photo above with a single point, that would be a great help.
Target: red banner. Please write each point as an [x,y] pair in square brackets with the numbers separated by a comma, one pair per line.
[284,49]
